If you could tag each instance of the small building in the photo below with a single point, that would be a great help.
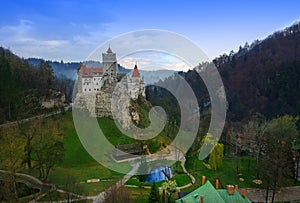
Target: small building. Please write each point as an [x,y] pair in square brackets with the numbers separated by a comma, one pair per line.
[207,193]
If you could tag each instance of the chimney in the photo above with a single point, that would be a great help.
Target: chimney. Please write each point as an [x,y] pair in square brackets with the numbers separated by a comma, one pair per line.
[236,187]
[203,180]
[201,199]
[230,189]
[244,192]
[217,183]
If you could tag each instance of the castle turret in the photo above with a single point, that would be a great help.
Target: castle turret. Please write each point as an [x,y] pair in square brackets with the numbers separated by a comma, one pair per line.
[135,73]
[110,65]
[136,85]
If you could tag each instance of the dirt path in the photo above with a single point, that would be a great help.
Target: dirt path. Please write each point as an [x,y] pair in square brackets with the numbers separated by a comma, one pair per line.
[13,123]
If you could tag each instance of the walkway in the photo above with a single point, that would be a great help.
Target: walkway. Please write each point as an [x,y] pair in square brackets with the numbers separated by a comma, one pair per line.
[173,154]
[285,194]
[13,123]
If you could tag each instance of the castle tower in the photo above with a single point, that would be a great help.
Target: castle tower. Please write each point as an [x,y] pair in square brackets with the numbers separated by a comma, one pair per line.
[110,65]
[136,85]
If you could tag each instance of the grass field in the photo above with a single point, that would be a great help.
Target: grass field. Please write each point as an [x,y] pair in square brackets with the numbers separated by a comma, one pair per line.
[139,195]
[78,166]
[227,173]
[234,171]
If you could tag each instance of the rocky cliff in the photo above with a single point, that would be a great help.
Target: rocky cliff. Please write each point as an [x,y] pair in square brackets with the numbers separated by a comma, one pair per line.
[113,100]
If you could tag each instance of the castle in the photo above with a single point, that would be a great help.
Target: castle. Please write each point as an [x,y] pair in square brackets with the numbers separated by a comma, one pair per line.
[105,92]
[90,80]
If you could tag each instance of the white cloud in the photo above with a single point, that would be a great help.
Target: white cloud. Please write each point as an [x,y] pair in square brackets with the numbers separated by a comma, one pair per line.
[28,39]
[153,60]
[187,54]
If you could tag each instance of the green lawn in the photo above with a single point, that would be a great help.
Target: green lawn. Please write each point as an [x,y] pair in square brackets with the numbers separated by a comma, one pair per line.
[229,172]
[112,133]
[139,195]
[78,165]
[181,179]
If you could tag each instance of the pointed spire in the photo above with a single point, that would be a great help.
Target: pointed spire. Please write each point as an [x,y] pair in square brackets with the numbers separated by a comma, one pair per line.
[109,50]
[135,71]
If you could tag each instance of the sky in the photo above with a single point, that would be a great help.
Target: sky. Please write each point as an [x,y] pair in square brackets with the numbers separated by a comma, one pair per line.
[71,30]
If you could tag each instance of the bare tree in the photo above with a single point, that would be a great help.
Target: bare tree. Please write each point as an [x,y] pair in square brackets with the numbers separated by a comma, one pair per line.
[117,195]
[255,130]
[277,161]
[48,146]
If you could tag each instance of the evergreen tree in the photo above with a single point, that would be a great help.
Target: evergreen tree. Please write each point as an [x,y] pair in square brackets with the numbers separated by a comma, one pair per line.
[154,194]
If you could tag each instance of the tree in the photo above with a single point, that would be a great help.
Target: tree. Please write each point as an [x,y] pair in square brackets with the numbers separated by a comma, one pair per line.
[8,88]
[154,194]
[45,75]
[277,163]
[169,188]
[11,155]
[48,147]
[117,195]
[29,132]
[216,156]
[255,129]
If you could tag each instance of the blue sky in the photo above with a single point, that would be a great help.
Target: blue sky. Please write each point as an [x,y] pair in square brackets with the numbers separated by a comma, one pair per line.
[71,30]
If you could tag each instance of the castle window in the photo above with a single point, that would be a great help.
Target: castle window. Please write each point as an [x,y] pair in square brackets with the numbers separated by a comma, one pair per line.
[89,89]
[85,90]
[97,89]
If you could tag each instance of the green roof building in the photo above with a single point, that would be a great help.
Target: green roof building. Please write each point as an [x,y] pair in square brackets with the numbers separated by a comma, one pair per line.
[212,195]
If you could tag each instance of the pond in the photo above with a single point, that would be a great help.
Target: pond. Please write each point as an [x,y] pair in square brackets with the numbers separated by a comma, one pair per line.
[160,173]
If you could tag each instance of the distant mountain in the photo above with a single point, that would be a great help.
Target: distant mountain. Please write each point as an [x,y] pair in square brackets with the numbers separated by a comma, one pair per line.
[69,69]
[151,77]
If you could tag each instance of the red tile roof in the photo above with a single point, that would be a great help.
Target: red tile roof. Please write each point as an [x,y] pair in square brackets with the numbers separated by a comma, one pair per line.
[80,67]
[89,72]
[135,72]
